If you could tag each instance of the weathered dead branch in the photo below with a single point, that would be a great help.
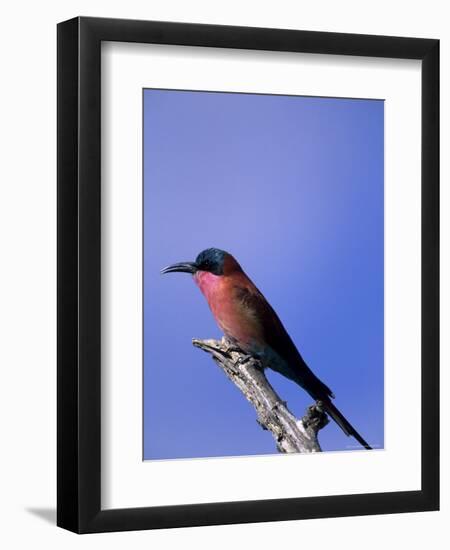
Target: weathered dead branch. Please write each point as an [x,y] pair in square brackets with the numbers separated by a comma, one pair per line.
[291,435]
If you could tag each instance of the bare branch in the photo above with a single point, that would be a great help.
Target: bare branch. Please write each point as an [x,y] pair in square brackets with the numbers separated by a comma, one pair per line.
[291,435]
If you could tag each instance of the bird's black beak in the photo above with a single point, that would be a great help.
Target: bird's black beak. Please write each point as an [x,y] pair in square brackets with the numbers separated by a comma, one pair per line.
[182,267]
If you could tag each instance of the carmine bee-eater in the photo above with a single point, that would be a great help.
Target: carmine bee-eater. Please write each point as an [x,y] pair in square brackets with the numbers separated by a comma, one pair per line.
[250,323]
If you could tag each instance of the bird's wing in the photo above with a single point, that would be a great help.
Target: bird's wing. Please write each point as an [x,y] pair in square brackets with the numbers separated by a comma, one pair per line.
[276,336]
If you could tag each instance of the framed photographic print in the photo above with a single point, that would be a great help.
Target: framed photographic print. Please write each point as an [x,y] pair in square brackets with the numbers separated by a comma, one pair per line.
[248,274]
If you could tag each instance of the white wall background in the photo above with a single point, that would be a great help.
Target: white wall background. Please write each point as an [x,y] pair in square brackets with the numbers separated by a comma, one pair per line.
[28,269]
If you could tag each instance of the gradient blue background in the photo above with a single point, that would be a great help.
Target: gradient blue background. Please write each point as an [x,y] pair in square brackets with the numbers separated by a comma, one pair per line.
[293,187]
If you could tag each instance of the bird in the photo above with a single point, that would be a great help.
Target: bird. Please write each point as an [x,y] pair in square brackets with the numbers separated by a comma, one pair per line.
[251,324]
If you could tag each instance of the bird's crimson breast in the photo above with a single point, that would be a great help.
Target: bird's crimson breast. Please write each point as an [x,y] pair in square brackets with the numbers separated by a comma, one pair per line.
[235,320]
[208,283]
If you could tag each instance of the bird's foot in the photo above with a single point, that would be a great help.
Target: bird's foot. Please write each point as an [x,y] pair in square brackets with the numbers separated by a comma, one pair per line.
[231,346]
[233,349]
[244,359]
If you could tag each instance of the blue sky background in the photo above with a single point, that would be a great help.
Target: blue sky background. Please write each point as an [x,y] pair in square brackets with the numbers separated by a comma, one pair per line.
[293,188]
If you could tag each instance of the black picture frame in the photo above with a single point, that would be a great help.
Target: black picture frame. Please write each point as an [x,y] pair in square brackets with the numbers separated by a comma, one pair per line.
[79,278]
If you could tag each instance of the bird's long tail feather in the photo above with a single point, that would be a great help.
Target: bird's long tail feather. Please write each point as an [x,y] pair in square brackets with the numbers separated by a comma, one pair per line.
[343,423]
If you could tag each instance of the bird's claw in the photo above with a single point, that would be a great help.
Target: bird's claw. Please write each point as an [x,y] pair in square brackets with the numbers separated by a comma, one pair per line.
[244,359]
[231,347]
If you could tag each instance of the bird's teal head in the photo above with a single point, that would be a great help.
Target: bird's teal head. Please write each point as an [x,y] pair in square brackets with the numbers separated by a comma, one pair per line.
[211,260]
